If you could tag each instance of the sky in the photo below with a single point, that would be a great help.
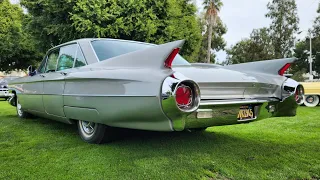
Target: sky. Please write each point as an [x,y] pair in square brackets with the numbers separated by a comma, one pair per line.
[242,16]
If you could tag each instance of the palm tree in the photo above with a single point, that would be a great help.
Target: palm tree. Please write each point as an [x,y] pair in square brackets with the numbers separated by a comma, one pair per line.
[212,8]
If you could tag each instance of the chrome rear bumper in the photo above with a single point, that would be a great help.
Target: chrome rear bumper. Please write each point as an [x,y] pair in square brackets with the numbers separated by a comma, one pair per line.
[218,113]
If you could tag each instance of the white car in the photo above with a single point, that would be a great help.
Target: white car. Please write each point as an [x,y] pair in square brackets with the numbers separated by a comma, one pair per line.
[4,92]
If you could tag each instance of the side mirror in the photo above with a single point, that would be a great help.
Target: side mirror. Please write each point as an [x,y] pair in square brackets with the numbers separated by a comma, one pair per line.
[31,72]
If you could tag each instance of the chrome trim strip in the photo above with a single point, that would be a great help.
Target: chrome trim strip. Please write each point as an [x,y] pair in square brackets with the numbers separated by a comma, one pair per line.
[94,95]
[224,102]
[75,56]
[104,95]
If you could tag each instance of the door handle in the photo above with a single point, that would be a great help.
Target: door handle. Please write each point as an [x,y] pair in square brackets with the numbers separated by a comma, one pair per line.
[64,73]
[41,75]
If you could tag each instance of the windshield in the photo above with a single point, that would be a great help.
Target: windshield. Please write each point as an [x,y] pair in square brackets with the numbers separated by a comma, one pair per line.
[106,49]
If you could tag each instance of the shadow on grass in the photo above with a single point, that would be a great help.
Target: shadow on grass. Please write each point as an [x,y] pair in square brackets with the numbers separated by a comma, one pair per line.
[204,141]
[124,137]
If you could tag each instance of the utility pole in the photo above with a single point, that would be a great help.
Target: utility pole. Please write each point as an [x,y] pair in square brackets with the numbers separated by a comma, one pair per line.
[310,57]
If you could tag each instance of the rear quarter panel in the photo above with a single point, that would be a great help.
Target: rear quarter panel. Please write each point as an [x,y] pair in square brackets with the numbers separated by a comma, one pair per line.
[126,98]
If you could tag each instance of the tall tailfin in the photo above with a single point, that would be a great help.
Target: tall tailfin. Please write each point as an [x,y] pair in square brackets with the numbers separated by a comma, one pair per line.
[153,57]
[276,66]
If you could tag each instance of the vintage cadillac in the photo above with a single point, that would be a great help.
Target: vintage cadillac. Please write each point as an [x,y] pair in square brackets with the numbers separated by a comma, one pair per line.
[100,84]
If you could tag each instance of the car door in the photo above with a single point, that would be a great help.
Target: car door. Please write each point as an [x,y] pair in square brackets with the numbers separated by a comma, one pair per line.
[31,88]
[60,61]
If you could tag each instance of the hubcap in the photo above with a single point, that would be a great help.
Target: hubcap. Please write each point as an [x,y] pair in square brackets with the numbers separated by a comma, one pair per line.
[88,127]
[19,108]
[310,99]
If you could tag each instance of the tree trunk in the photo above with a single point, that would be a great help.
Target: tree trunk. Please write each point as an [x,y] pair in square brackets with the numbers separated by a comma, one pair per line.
[209,38]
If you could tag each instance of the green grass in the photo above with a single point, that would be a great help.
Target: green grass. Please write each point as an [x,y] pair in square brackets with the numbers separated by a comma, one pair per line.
[276,148]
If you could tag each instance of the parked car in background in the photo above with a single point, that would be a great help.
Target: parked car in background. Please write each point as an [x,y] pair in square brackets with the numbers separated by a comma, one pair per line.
[312,93]
[4,91]
[104,83]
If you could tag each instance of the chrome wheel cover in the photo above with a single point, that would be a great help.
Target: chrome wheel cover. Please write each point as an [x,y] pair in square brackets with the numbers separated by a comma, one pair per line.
[310,99]
[19,109]
[87,128]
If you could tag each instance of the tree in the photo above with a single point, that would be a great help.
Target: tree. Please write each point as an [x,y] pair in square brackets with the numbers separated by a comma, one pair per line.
[302,50]
[212,8]
[17,48]
[316,23]
[217,43]
[284,26]
[154,21]
[272,42]
[256,48]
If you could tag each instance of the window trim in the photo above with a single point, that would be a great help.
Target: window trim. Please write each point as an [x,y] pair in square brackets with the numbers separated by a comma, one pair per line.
[58,47]
[117,40]
[45,64]
[48,53]
[75,57]
[85,60]
[72,43]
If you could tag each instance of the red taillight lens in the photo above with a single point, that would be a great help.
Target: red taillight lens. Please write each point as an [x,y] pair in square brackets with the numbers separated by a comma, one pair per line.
[184,96]
[171,57]
[284,68]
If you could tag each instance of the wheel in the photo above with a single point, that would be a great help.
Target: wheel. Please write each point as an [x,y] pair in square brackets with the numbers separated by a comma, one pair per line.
[301,102]
[95,133]
[311,100]
[20,112]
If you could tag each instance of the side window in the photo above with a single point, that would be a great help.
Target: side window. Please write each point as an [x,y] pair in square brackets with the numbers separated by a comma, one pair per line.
[66,57]
[52,61]
[80,60]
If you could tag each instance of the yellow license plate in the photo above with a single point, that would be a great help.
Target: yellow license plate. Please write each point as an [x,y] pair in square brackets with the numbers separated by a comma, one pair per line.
[246,113]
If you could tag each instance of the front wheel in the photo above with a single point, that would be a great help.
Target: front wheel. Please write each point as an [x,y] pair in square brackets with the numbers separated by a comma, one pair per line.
[311,100]
[20,112]
[94,133]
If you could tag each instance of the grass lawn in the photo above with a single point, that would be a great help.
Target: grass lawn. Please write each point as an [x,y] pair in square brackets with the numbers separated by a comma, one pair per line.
[276,148]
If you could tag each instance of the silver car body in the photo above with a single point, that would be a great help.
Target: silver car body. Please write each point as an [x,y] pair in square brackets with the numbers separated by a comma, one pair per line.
[135,90]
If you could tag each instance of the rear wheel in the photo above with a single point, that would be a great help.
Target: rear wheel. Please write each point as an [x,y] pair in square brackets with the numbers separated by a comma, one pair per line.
[311,100]
[94,133]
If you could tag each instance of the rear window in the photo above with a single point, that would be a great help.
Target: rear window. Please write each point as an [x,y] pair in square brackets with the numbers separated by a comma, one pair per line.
[106,49]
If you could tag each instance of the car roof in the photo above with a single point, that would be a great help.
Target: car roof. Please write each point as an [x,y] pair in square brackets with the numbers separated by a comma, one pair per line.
[99,39]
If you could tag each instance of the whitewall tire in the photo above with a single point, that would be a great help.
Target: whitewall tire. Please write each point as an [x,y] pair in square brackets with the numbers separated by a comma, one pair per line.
[311,100]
